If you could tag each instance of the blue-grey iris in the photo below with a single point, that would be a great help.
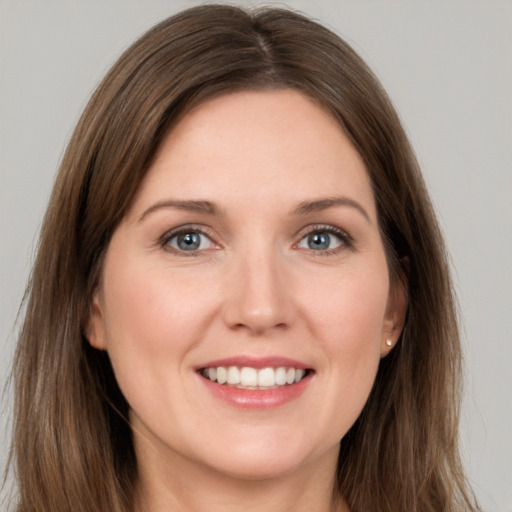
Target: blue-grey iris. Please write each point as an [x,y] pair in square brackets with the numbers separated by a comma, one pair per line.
[188,241]
[319,241]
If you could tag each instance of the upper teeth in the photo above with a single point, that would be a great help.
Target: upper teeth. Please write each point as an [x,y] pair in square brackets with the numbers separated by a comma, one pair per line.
[252,378]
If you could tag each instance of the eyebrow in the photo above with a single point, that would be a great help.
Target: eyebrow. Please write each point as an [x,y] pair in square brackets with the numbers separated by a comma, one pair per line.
[303,208]
[319,205]
[206,207]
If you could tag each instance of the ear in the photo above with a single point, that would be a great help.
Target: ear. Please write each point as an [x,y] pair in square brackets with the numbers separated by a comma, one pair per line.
[95,323]
[396,311]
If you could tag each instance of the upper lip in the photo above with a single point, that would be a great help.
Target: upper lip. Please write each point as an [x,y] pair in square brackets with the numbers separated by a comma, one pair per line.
[255,362]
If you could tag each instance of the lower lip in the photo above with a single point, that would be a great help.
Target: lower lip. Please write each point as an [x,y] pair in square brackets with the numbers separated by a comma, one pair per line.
[257,398]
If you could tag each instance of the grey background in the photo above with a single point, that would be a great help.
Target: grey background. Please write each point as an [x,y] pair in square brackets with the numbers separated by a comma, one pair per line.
[447,66]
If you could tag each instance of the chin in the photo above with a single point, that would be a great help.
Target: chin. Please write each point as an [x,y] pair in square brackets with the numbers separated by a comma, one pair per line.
[268,458]
[260,468]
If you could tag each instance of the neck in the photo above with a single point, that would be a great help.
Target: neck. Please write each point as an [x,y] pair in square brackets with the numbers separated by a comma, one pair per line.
[165,485]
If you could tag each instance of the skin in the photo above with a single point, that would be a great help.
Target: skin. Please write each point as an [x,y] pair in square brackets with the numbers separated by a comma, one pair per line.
[255,287]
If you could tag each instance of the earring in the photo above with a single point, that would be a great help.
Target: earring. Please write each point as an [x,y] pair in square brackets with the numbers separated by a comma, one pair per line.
[389,342]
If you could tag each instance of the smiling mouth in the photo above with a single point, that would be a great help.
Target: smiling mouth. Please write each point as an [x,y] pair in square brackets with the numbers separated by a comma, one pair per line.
[250,378]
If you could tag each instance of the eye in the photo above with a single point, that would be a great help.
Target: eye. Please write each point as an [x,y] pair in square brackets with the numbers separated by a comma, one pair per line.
[325,239]
[187,240]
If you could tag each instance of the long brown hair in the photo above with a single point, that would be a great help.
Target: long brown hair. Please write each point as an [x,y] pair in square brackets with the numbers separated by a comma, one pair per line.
[72,445]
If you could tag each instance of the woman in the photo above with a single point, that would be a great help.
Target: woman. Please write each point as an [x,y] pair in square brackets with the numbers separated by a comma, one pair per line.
[241,297]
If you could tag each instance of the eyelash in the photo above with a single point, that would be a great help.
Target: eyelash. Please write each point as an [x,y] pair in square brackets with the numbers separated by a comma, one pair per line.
[346,241]
[165,239]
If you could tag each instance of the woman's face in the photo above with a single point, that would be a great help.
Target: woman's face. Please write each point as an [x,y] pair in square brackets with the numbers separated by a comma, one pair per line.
[251,253]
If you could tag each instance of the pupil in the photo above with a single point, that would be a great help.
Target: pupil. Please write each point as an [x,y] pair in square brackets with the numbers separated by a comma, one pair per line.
[189,241]
[318,241]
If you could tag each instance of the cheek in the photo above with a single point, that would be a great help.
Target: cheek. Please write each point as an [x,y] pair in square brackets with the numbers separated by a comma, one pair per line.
[151,321]
[350,313]
[154,319]
[149,307]
[349,323]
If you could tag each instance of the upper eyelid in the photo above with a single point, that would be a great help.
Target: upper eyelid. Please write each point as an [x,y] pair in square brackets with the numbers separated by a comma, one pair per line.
[171,233]
[323,227]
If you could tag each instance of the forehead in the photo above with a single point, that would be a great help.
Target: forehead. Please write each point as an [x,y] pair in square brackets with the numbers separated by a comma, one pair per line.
[257,146]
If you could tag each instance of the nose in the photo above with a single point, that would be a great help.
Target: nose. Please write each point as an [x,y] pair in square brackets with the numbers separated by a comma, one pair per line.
[258,295]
